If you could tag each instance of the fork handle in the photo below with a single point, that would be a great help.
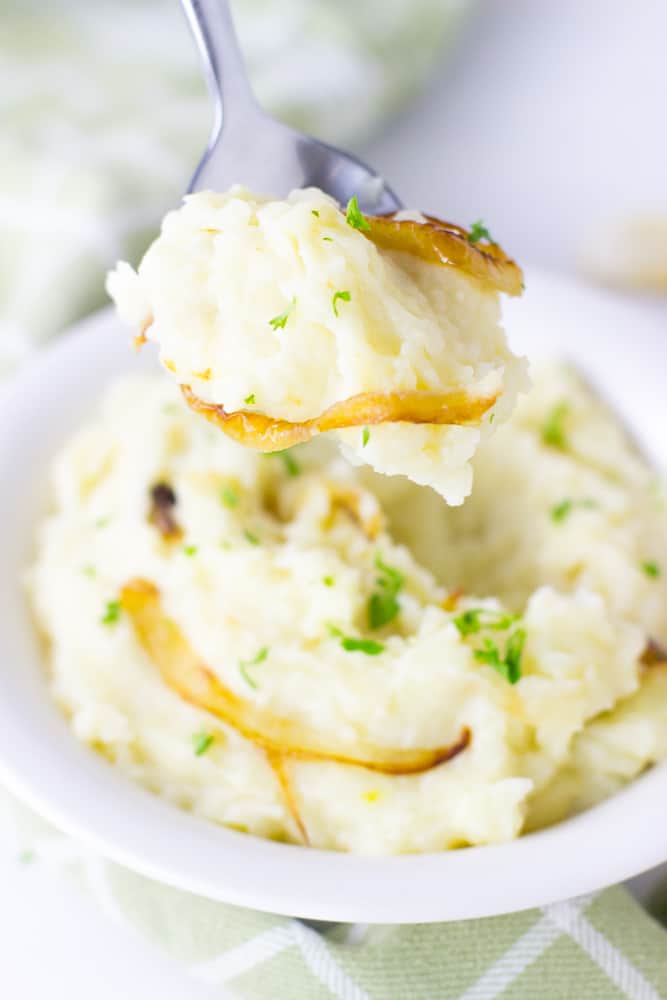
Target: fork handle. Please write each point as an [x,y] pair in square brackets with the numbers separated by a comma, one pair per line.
[212,25]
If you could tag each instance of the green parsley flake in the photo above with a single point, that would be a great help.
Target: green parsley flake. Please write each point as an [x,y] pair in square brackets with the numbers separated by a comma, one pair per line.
[26,857]
[190,550]
[278,322]
[383,605]
[327,239]
[368,646]
[201,742]
[89,571]
[249,400]
[328,581]
[553,432]
[251,537]
[111,613]
[102,522]
[245,664]
[561,510]
[365,437]
[509,665]
[314,212]
[343,296]
[292,467]
[354,217]
[478,231]
[651,569]
[477,619]
[565,508]
[229,496]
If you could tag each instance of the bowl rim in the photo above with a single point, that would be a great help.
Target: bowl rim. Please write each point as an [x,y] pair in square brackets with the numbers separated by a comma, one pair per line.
[68,784]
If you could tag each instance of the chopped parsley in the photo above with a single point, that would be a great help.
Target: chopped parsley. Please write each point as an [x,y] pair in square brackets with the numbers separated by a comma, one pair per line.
[201,742]
[651,569]
[351,644]
[509,665]
[368,646]
[343,296]
[190,550]
[328,581]
[365,437]
[354,216]
[102,522]
[229,496]
[250,536]
[245,664]
[292,467]
[314,212]
[26,857]
[278,322]
[249,400]
[111,613]
[476,619]
[88,570]
[553,431]
[478,231]
[563,509]
[327,239]
[383,605]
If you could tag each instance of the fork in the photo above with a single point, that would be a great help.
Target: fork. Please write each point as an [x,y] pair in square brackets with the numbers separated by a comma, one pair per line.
[250,148]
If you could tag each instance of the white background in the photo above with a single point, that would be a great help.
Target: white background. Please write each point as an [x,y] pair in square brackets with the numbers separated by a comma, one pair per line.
[548,123]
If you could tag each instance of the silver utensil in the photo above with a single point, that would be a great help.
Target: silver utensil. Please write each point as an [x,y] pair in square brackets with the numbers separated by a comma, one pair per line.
[247,147]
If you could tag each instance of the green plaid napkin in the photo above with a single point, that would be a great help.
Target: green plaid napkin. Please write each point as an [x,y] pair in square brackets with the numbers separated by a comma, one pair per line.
[597,947]
[102,115]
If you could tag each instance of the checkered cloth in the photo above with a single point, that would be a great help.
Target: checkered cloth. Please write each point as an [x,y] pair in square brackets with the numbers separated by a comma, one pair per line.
[598,947]
[103,115]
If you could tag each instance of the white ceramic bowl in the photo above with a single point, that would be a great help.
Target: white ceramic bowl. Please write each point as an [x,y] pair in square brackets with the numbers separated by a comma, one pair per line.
[623,348]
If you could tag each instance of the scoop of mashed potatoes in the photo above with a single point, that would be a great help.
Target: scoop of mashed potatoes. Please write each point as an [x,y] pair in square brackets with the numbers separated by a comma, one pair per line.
[348,696]
[287,308]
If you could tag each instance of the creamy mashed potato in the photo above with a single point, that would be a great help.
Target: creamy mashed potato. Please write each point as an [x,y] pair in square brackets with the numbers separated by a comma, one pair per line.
[363,609]
[283,308]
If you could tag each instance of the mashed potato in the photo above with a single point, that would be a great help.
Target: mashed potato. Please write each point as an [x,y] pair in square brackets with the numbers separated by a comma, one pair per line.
[358,608]
[283,308]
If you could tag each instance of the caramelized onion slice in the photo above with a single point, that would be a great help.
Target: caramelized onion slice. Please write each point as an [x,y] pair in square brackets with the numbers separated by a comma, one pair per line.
[162,511]
[654,654]
[445,243]
[185,673]
[279,768]
[257,430]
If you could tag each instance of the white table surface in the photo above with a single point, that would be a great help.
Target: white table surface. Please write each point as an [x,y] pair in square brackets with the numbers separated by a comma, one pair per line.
[548,121]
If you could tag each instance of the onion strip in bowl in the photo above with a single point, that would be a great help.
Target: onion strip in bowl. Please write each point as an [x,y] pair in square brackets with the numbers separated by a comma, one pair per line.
[264,433]
[186,674]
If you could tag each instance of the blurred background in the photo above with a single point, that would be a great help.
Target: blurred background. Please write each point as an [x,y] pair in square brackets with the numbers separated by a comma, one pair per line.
[545,118]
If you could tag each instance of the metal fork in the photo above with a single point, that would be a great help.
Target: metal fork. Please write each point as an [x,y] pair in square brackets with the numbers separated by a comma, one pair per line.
[247,147]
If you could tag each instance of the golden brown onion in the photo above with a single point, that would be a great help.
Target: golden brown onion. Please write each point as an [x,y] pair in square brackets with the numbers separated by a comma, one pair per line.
[654,654]
[185,673]
[449,245]
[162,511]
[279,768]
[257,430]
